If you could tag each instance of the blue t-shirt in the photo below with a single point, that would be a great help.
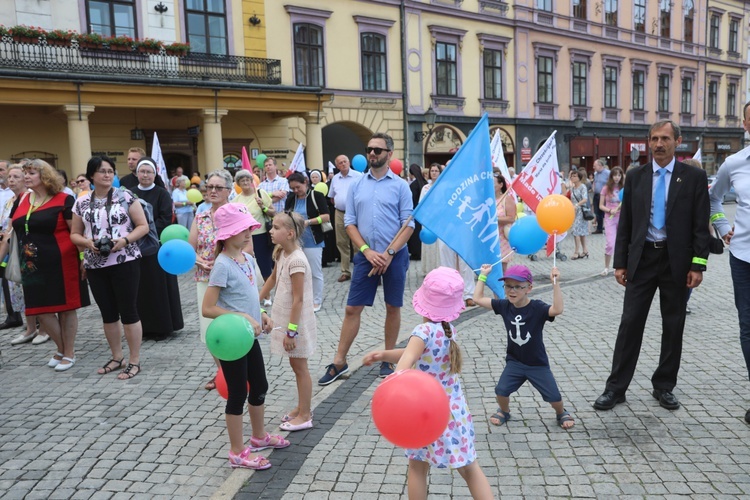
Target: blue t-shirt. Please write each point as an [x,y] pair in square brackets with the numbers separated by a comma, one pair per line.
[300,206]
[525,326]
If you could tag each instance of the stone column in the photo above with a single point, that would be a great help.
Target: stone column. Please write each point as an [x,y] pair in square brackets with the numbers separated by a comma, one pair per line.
[213,147]
[79,138]
[314,142]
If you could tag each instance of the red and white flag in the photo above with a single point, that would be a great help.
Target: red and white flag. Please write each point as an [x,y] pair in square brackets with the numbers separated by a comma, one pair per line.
[540,177]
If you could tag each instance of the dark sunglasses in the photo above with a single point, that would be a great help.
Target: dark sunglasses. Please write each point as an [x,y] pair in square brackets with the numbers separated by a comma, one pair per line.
[377,151]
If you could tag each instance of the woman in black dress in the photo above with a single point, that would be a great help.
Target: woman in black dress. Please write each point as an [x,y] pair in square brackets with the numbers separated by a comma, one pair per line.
[417,182]
[158,292]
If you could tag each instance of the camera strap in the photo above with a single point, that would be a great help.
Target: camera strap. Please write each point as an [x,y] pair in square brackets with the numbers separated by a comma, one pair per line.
[107,208]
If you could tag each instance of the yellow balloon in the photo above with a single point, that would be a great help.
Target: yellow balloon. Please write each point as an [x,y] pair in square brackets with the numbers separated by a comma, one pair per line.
[521,215]
[322,188]
[194,195]
[519,207]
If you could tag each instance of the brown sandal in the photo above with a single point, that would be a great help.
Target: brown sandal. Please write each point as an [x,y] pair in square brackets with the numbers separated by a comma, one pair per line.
[128,372]
[109,369]
[211,384]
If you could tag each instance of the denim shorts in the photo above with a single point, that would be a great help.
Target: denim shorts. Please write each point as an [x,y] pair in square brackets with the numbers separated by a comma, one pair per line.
[515,374]
[362,289]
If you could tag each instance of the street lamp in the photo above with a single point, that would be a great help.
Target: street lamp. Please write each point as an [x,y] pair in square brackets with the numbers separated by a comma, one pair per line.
[429,118]
[578,124]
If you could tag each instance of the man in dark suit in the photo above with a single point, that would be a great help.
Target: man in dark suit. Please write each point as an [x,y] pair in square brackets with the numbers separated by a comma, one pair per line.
[662,242]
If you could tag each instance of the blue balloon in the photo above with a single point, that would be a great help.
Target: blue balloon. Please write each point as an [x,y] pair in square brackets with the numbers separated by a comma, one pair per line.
[116,182]
[526,237]
[427,236]
[176,257]
[359,163]
[620,193]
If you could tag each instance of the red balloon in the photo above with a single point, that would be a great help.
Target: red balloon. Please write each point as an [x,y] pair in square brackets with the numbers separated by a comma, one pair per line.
[221,385]
[410,409]
[396,166]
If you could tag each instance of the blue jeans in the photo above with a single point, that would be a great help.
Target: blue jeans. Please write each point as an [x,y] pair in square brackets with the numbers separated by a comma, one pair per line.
[741,281]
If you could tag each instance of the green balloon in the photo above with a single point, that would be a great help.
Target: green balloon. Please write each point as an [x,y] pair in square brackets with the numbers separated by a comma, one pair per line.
[229,337]
[260,160]
[174,232]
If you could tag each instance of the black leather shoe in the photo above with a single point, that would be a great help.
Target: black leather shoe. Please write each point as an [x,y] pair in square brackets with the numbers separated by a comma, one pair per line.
[10,324]
[608,400]
[747,417]
[666,399]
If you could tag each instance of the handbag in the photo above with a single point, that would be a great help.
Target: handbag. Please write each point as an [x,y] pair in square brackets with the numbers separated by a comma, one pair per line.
[715,245]
[13,268]
[326,226]
[586,211]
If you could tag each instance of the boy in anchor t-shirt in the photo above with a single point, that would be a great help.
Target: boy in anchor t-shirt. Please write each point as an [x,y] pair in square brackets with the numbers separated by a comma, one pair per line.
[527,358]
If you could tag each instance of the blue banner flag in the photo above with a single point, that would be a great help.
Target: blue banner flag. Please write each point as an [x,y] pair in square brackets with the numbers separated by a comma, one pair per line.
[460,206]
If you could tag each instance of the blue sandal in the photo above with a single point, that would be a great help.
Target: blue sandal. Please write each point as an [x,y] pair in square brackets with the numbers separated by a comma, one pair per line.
[564,417]
[500,416]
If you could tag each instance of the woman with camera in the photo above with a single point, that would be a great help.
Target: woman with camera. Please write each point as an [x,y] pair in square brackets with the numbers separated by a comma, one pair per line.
[260,206]
[107,224]
[51,274]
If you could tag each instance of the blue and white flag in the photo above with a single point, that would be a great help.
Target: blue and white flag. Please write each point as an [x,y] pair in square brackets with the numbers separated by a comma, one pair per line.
[460,206]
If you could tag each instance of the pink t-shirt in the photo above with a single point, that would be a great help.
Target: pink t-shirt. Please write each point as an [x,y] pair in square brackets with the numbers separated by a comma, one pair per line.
[97,223]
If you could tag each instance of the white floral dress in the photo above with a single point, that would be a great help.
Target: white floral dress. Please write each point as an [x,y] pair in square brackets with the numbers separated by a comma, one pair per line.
[455,447]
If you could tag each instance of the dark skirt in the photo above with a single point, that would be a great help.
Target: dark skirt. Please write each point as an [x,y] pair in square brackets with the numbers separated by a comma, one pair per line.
[158,299]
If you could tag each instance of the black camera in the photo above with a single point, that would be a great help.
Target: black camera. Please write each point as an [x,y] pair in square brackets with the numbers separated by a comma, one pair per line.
[104,245]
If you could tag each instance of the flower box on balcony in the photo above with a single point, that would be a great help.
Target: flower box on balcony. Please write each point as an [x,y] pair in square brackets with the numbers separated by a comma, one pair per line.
[177,49]
[148,46]
[90,41]
[59,38]
[26,34]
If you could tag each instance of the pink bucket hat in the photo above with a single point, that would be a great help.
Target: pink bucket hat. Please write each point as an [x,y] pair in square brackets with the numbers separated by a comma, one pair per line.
[518,273]
[231,219]
[440,298]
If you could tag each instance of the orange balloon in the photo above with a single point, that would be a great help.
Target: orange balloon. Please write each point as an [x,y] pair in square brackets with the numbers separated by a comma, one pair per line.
[256,180]
[555,214]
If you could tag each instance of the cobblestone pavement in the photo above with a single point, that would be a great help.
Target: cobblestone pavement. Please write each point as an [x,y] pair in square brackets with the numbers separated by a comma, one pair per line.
[80,435]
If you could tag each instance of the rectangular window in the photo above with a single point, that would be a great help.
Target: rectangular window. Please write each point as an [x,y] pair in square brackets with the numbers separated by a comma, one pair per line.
[663,92]
[579,83]
[639,87]
[373,62]
[544,5]
[206,26]
[610,87]
[493,74]
[687,22]
[309,66]
[544,80]
[610,12]
[734,29]
[686,106]
[639,16]
[111,17]
[713,33]
[446,66]
[732,99]
[713,98]
[665,14]
[579,9]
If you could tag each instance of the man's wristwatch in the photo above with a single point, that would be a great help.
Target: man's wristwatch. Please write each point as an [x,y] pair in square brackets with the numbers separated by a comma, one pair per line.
[291,334]
[391,252]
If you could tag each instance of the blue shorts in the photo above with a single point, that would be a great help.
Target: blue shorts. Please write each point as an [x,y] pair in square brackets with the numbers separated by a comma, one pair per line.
[515,374]
[362,289]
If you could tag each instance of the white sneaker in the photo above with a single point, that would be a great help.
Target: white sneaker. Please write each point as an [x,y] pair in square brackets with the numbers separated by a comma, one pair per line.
[40,339]
[267,303]
[67,366]
[23,338]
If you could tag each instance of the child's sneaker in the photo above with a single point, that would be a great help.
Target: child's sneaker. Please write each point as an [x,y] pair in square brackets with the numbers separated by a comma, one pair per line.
[242,461]
[261,444]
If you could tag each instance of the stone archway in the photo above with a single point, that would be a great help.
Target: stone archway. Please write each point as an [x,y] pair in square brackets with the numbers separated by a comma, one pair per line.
[344,138]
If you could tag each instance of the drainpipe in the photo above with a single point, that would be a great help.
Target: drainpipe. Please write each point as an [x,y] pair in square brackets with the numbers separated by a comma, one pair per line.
[404,102]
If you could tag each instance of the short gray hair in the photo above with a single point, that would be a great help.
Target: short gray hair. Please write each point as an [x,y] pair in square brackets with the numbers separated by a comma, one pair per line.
[222,174]
[242,174]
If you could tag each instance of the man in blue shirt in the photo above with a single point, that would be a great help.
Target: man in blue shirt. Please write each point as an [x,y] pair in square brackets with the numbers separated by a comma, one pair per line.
[601,176]
[377,206]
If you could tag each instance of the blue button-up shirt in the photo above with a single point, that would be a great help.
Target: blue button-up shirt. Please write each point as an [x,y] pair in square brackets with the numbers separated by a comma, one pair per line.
[379,207]
[653,233]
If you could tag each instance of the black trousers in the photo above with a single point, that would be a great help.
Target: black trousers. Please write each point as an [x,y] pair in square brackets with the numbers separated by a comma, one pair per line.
[12,315]
[653,272]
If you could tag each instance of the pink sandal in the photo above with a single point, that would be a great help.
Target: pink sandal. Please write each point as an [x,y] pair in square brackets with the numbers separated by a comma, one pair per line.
[261,444]
[242,461]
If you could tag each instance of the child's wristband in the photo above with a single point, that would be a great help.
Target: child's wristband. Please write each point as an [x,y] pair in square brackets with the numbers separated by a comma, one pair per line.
[292,327]
[364,247]
[482,278]
[320,221]
[263,311]
[80,255]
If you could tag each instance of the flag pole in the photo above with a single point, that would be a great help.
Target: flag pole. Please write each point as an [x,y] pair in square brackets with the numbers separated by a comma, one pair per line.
[399,233]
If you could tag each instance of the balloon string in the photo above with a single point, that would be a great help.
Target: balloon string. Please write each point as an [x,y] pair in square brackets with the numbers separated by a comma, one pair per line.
[554,255]
[498,262]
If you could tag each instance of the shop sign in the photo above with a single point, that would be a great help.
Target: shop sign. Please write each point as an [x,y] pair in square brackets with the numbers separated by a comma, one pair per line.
[525,154]
[723,146]
[638,146]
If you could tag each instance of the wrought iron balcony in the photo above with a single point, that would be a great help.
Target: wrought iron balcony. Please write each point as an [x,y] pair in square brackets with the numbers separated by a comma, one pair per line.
[71,60]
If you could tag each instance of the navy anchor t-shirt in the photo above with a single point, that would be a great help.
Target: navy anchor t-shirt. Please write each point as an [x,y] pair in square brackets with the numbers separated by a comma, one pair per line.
[525,326]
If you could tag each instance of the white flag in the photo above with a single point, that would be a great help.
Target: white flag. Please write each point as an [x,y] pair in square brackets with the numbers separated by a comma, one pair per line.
[541,176]
[330,168]
[498,160]
[697,155]
[161,167]
[298,162]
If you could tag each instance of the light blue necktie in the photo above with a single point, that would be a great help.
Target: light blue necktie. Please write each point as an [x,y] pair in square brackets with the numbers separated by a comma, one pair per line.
[659,199]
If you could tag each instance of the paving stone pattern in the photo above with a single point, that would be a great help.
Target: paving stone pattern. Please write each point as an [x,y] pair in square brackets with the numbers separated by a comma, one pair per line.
[161,435]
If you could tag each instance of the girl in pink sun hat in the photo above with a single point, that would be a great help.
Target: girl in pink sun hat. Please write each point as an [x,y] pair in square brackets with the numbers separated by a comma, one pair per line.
[433,348]
[233,288]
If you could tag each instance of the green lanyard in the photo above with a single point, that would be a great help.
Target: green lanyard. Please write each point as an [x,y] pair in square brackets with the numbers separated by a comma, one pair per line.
[32,209]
